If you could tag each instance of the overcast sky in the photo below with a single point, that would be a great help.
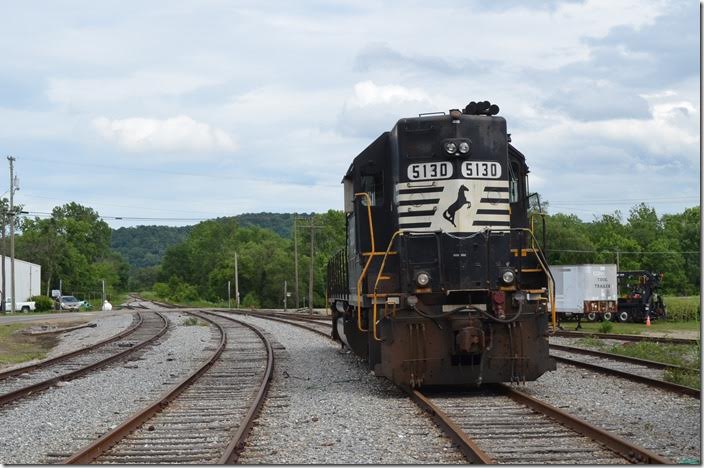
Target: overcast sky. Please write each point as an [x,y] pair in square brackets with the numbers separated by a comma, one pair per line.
[200,109]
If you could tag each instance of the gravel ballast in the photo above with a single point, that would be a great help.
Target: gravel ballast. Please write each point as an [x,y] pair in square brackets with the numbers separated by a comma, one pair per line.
[61,420]
[664,422]
[326,407]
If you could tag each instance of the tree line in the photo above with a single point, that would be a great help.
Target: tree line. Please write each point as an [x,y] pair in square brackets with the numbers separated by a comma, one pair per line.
[74,245]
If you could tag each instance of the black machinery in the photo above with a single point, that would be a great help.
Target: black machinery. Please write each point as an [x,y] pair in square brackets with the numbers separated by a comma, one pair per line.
[638,297]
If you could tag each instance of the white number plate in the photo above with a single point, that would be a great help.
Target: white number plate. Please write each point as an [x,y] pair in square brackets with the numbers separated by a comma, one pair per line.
[430,171]
[481,170]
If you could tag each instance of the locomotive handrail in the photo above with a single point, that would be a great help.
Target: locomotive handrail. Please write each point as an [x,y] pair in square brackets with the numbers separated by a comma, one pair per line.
[369,260]
[548,273]
[532,228]
[376,283]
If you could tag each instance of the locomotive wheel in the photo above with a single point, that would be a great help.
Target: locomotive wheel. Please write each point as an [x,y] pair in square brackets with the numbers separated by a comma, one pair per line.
[591,316]
[608,316]
[623,317]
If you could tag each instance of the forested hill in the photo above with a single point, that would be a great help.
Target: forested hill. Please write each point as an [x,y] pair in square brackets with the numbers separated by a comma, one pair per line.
[144,246]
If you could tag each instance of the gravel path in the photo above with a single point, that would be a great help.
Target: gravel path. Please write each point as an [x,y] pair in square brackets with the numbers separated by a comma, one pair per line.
[664,422]
[325,407]
[62,420]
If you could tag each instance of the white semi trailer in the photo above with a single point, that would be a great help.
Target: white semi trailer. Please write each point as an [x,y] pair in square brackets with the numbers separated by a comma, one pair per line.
[589,291]
[27,280]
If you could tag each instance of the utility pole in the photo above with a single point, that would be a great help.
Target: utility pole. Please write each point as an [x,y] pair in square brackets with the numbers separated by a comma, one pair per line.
[295,257]
[12,231]
[3,294]
[237,284]
[285,293]
[310,269]
[229,306]
[103,281]
[618,262]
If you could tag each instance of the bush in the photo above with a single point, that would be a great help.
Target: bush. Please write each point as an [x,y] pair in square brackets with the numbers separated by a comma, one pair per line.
[161,290]
[606,327]
[42,303]
[250,301]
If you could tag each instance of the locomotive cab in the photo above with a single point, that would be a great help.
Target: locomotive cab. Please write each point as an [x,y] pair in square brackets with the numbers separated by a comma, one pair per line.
[441,280]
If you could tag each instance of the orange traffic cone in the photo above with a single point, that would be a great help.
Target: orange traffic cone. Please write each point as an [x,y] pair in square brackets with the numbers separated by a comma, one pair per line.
[647,320]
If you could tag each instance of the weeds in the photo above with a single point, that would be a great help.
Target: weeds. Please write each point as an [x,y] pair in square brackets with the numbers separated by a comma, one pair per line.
[191,321]
[606,327]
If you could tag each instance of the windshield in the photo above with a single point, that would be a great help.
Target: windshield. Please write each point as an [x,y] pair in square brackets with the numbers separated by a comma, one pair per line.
[69,299]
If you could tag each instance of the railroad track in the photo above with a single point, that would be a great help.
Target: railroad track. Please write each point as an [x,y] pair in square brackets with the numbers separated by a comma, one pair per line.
[206,417]
[639,370]
[616,336]
[316,326]
[499,424]
[24,381]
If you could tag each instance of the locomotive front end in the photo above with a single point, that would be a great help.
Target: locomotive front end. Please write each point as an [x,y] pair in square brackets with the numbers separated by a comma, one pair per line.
[456,292]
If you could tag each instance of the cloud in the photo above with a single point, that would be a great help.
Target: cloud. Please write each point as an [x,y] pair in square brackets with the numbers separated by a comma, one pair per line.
[367,93]
[173,135]
[141,84]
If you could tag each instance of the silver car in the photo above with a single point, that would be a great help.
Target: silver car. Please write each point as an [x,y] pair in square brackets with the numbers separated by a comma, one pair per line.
[70,303]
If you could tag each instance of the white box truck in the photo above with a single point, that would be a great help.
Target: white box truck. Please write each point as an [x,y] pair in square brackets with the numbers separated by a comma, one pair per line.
[589,291]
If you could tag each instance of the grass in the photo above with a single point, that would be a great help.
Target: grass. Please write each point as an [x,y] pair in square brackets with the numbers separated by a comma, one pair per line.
[675,354]
[15,347]
[638,328]
[683,308]
[191,321]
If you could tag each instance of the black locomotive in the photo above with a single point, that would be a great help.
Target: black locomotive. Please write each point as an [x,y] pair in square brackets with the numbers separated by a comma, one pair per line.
[442,281]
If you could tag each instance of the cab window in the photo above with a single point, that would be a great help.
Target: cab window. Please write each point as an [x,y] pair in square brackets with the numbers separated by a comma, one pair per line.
[373,184]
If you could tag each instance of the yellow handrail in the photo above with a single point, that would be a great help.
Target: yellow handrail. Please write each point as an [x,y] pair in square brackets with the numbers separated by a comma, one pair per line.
[376,283]
[369,260]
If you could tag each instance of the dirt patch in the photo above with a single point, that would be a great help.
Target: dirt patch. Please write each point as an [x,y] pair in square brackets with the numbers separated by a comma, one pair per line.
[687,334]
[16,347]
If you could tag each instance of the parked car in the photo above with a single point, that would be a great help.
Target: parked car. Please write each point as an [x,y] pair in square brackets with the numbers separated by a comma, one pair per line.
[23,306]
[69,303]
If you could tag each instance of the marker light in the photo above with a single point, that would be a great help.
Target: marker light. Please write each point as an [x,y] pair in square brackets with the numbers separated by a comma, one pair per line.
[423,279]
[508,277]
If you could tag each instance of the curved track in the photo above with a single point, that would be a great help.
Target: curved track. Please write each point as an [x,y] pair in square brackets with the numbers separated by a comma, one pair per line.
[23,381]
[205,417]
[639,370]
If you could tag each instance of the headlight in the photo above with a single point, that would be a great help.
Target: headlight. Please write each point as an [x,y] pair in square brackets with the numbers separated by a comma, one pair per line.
[450,147]
[464,147]
[412,300]
[508,277]
[423,279]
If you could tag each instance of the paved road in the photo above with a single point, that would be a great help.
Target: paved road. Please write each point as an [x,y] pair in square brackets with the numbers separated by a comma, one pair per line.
[57,316]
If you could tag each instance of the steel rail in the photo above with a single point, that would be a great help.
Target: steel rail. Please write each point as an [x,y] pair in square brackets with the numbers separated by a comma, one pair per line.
[615,336]
[622,358]
[629,451]
[54,360]
[291,322]
[233,450]
[24,391]
[467,446]
[231,453]
[663,384]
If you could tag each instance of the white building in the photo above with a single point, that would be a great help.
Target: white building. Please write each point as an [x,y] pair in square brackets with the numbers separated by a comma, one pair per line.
[27,279]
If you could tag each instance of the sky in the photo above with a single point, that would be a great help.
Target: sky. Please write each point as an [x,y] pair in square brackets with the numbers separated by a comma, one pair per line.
[169,112]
